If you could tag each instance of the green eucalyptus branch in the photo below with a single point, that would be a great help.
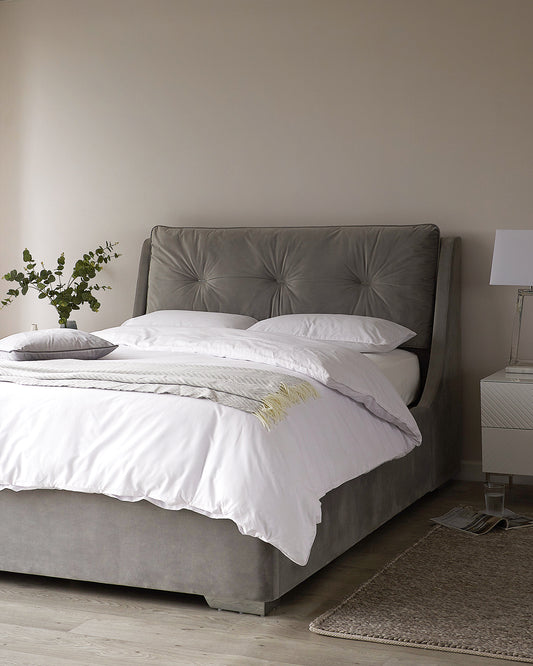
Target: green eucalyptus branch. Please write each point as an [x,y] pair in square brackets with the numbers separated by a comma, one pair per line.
[65,297]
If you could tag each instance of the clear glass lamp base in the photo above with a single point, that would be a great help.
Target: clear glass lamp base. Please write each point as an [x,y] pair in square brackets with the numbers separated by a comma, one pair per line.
[515,365]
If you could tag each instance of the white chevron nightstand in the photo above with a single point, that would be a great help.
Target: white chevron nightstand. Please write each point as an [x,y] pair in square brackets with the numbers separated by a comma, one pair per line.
[507,423]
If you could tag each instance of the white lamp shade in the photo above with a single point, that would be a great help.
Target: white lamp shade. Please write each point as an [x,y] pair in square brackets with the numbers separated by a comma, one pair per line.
[512,261]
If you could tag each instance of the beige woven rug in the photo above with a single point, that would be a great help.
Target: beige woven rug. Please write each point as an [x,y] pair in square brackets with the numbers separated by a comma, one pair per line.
[450,591]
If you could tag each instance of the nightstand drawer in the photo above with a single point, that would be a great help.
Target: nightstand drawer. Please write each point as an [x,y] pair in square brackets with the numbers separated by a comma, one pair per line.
[507,405]
[507,451]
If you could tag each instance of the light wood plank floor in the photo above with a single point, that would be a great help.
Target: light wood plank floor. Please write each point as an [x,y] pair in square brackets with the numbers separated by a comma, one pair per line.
[46,622]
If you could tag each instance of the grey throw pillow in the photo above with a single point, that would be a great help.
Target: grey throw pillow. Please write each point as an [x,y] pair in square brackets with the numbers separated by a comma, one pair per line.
[54,343]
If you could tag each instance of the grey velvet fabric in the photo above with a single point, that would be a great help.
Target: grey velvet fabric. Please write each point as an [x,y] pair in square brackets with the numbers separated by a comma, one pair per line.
[93,537]
[381,271]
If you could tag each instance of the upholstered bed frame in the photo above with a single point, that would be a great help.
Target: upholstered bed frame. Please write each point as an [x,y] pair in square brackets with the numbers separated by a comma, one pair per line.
[407,274]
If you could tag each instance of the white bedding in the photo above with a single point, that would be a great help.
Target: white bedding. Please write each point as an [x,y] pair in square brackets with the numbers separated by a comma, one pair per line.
[179,452]
[402,369]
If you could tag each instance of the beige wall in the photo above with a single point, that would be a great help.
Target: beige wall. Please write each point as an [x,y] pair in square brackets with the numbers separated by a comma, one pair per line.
[120,114]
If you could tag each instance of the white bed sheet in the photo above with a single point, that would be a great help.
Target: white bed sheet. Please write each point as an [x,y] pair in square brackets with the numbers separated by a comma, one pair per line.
[402,369]
[181,452]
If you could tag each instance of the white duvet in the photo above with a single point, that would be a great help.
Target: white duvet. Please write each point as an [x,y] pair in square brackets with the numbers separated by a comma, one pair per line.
[179,452]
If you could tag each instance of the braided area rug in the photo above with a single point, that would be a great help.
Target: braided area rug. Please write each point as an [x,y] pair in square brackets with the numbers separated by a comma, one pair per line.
[449,591]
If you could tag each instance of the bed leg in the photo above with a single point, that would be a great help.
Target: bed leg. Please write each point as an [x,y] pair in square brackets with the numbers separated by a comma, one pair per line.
[243,605]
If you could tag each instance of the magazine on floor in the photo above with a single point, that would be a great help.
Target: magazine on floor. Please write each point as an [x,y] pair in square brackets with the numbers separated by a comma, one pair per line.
[467,519]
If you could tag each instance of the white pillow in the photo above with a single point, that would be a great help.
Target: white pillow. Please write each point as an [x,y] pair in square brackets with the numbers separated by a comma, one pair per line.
[53,343]
[367,334]
[191,319]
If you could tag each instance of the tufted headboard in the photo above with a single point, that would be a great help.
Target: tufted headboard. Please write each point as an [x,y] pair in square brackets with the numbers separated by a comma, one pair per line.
[382,271]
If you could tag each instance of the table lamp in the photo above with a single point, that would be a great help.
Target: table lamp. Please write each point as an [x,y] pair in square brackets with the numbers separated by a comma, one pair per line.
[512,264]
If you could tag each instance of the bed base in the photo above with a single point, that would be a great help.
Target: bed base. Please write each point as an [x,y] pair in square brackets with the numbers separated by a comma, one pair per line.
[93,537]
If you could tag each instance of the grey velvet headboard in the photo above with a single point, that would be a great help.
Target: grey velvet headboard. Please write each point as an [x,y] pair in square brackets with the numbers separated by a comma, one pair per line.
[380,271]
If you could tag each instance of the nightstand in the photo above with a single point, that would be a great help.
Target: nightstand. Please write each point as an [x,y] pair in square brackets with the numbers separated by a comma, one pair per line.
[507,423]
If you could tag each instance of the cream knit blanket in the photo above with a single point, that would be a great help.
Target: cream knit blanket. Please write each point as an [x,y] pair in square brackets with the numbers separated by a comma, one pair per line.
[265,394]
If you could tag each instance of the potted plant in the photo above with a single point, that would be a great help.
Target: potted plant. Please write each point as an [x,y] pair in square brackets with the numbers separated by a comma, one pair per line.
[64,294]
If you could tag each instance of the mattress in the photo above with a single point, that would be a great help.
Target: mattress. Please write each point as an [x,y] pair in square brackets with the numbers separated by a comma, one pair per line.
[402,369]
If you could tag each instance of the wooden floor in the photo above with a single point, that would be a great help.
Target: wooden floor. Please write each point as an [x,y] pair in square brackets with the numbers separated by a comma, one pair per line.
[46,622]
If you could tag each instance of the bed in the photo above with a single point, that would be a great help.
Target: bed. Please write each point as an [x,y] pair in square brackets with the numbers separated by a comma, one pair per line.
[404,274]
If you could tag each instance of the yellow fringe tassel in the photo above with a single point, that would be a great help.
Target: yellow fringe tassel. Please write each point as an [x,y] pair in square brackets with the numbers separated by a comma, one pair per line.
[274,406]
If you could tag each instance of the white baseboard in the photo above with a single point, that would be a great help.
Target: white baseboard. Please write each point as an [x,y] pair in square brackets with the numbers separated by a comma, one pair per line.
[471,470]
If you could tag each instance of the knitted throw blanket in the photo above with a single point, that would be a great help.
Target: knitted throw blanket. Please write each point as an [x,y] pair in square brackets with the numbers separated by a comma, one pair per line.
[265,394]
